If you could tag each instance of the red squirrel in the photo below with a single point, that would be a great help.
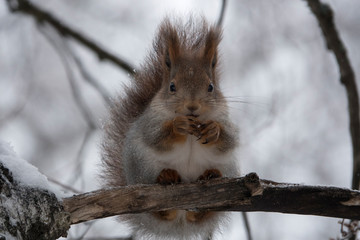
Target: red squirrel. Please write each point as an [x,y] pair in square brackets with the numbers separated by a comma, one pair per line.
[171,125]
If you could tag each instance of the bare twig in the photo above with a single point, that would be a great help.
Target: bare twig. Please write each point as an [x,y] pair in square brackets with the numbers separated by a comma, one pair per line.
[64,186]
[90,79]
[219,23]
[216,195]
[19,107]
[42,16]
[88,227]
[247,225]
[324,16]
[222,13]
[351,230]
[85,111]
[22,99]
[80,160]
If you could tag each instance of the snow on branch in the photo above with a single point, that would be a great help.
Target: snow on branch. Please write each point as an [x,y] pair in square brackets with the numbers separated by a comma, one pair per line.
[28,210]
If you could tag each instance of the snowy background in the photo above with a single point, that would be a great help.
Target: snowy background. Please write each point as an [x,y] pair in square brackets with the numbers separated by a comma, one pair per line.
[292,110]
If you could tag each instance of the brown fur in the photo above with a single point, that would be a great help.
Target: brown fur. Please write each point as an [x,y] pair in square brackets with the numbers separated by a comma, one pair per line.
[198,217]
[171,134]
[166,215]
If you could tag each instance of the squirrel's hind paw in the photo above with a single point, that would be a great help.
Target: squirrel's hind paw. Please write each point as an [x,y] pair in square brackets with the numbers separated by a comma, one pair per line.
[168,215]
[168,176]
[210,174]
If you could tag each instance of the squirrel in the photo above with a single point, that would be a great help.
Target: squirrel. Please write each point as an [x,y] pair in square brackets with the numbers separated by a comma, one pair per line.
[171,125]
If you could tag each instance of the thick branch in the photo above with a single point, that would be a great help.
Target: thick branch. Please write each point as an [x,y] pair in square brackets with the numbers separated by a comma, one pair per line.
[239,194]
[28,212]
[41,16]
[324,16]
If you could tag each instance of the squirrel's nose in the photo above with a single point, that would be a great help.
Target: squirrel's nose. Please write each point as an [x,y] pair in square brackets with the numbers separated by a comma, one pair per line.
[192,107]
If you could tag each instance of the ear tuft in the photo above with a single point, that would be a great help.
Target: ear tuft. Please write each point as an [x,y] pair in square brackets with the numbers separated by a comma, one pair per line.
[211,44]
[172,47]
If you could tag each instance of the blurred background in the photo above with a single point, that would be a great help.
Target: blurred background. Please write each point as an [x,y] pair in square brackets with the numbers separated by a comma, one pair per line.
[283,85]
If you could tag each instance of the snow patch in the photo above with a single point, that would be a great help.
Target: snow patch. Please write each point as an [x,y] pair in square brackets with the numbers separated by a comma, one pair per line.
[23,172]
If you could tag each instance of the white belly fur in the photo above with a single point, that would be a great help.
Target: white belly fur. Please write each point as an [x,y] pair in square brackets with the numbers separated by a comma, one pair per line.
[191,159]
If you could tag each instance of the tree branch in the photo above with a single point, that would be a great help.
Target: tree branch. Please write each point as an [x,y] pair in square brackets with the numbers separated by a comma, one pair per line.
[324,15]
[238,194]
[245,194]
[222,13]
[40,15]
[29,213]
[75,89]
[247,226]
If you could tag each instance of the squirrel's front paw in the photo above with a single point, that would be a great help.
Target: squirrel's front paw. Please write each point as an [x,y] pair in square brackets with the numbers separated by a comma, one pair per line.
[184,125]
[210,132]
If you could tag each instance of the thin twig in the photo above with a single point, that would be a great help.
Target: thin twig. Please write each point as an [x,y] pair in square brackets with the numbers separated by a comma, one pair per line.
[85,111]
[89,226]
[22,97]
[247,225]
[222,13]
[90,79]
[19,107]
[79,158]
[42,16]
[324,15]
[64,186]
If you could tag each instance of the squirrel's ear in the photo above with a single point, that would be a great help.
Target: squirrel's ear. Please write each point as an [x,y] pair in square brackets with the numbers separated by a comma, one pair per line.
[211,44]
[172,48]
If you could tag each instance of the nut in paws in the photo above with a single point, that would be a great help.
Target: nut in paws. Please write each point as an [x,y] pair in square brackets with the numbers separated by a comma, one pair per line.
[210,132]
[184,125]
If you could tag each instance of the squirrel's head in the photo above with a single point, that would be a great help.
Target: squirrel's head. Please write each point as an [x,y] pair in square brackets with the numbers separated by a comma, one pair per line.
[190,79]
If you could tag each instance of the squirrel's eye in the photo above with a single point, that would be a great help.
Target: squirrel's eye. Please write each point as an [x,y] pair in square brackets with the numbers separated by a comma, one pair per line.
[211,87]
[172,87]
